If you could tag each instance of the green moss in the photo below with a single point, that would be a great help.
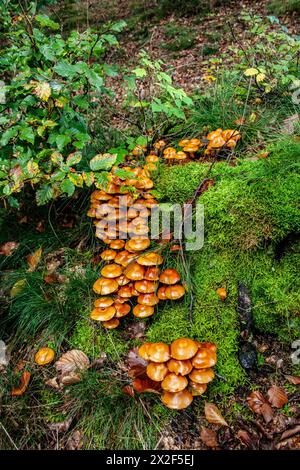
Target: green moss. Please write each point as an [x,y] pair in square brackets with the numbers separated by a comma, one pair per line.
[51,406]
[94,339]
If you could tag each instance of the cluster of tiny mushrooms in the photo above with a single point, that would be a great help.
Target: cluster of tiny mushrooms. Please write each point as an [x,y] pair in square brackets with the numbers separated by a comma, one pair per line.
[133,269]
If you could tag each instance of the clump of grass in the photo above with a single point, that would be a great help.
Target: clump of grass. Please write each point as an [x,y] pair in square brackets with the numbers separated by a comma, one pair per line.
[179,38]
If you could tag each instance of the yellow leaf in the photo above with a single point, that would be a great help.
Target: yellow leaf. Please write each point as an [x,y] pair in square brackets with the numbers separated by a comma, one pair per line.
[251,72]
[260,77]
[252,117]
[209,78]
[43,91]
[213,414]
[17,287]
[34,259]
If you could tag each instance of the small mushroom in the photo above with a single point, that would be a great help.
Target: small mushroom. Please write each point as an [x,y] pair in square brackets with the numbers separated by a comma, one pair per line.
[134,272]
[183,348]
[117,244]
[44,356]
[180,367]
[143,311]
[108,255]
[150,259]
[122,280]
[125,291]
[143,351]
[197,389]
[111,324]
[103,314]
[177,401]
[137,244]
[148,299]
[202,376]
[122,310]
[105,286]
[169,276]
[145,287]
[222,293]
[158,352]
[161,293]
[204,358]
[152,273]
[157,371]
[111,271]
[174,383]
[174,292]
[103,302]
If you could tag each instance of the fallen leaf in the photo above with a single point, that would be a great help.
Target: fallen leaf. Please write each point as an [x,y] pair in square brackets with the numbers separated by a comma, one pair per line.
[251,72]
[136,365]
[99,362]
[17,287]
[43,91]
[75,441]
[248,440]
[259,405]
[293,379]
[53,383]
[34,259]
[128,390]
[214,415]
[7,248]
[290,433]
[277,396]
[208,437]
[40,226]
[24,381]
[20,366]
[136,330]
[71,365]
[55,278]
[63,426]
[146,385]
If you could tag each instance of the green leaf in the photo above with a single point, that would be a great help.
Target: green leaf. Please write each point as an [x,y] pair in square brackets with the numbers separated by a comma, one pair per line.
[94,79]
[67,187]
[27,134]
[251,72]
[8,134]
[74,158]
[62,141]
[43,195]
[102,161]
[64,69]
[140,72]
[45,21]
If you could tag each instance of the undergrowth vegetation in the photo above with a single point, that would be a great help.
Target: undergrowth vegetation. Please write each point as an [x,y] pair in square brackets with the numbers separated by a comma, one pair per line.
[53,121]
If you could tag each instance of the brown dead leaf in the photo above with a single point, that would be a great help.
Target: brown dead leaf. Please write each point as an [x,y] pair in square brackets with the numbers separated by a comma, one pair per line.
[63,426]
[55,278]
[24,381]
[290,432]
[75,441]
[250,441]
[146,385]
[214,415]
[53,383]
[40,226]
[7,248]
[20,366]
[259,405]
[277,396]
[128,390]
[71,365]
[34,259]
[208,437]
[136,365]
[293,379]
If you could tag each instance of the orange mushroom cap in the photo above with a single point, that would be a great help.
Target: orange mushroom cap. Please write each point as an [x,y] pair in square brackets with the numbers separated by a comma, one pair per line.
[143,351]
[174,292]
[183,348]
[180,367]
[135,271]
[103,302]
[105,286]
[117,244]
[222,293]
[108,255]
[197,389]
[137,244]
[158,352]
[152,159]
[122,280]
[125,291]
[150,259]
[148,299]
[183,142]
[212,135]
[174,383]
[157,371]
[122,310]
[204,358]
[161,293]
[103,314]
[145,287]
[111,270]
[143,311]
[44,356]
[152,274]
[169,276]
[177,401]
[202,376]
[110,324]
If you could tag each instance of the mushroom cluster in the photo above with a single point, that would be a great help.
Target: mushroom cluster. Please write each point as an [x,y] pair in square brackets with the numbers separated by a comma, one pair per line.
[212,143]
[131,271]
[183,369]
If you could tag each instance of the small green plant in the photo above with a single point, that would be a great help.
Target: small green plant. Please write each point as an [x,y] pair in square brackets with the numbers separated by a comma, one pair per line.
[51,85]
[181,38]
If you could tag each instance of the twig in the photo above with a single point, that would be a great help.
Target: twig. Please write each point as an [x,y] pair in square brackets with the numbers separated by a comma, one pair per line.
[9,437]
